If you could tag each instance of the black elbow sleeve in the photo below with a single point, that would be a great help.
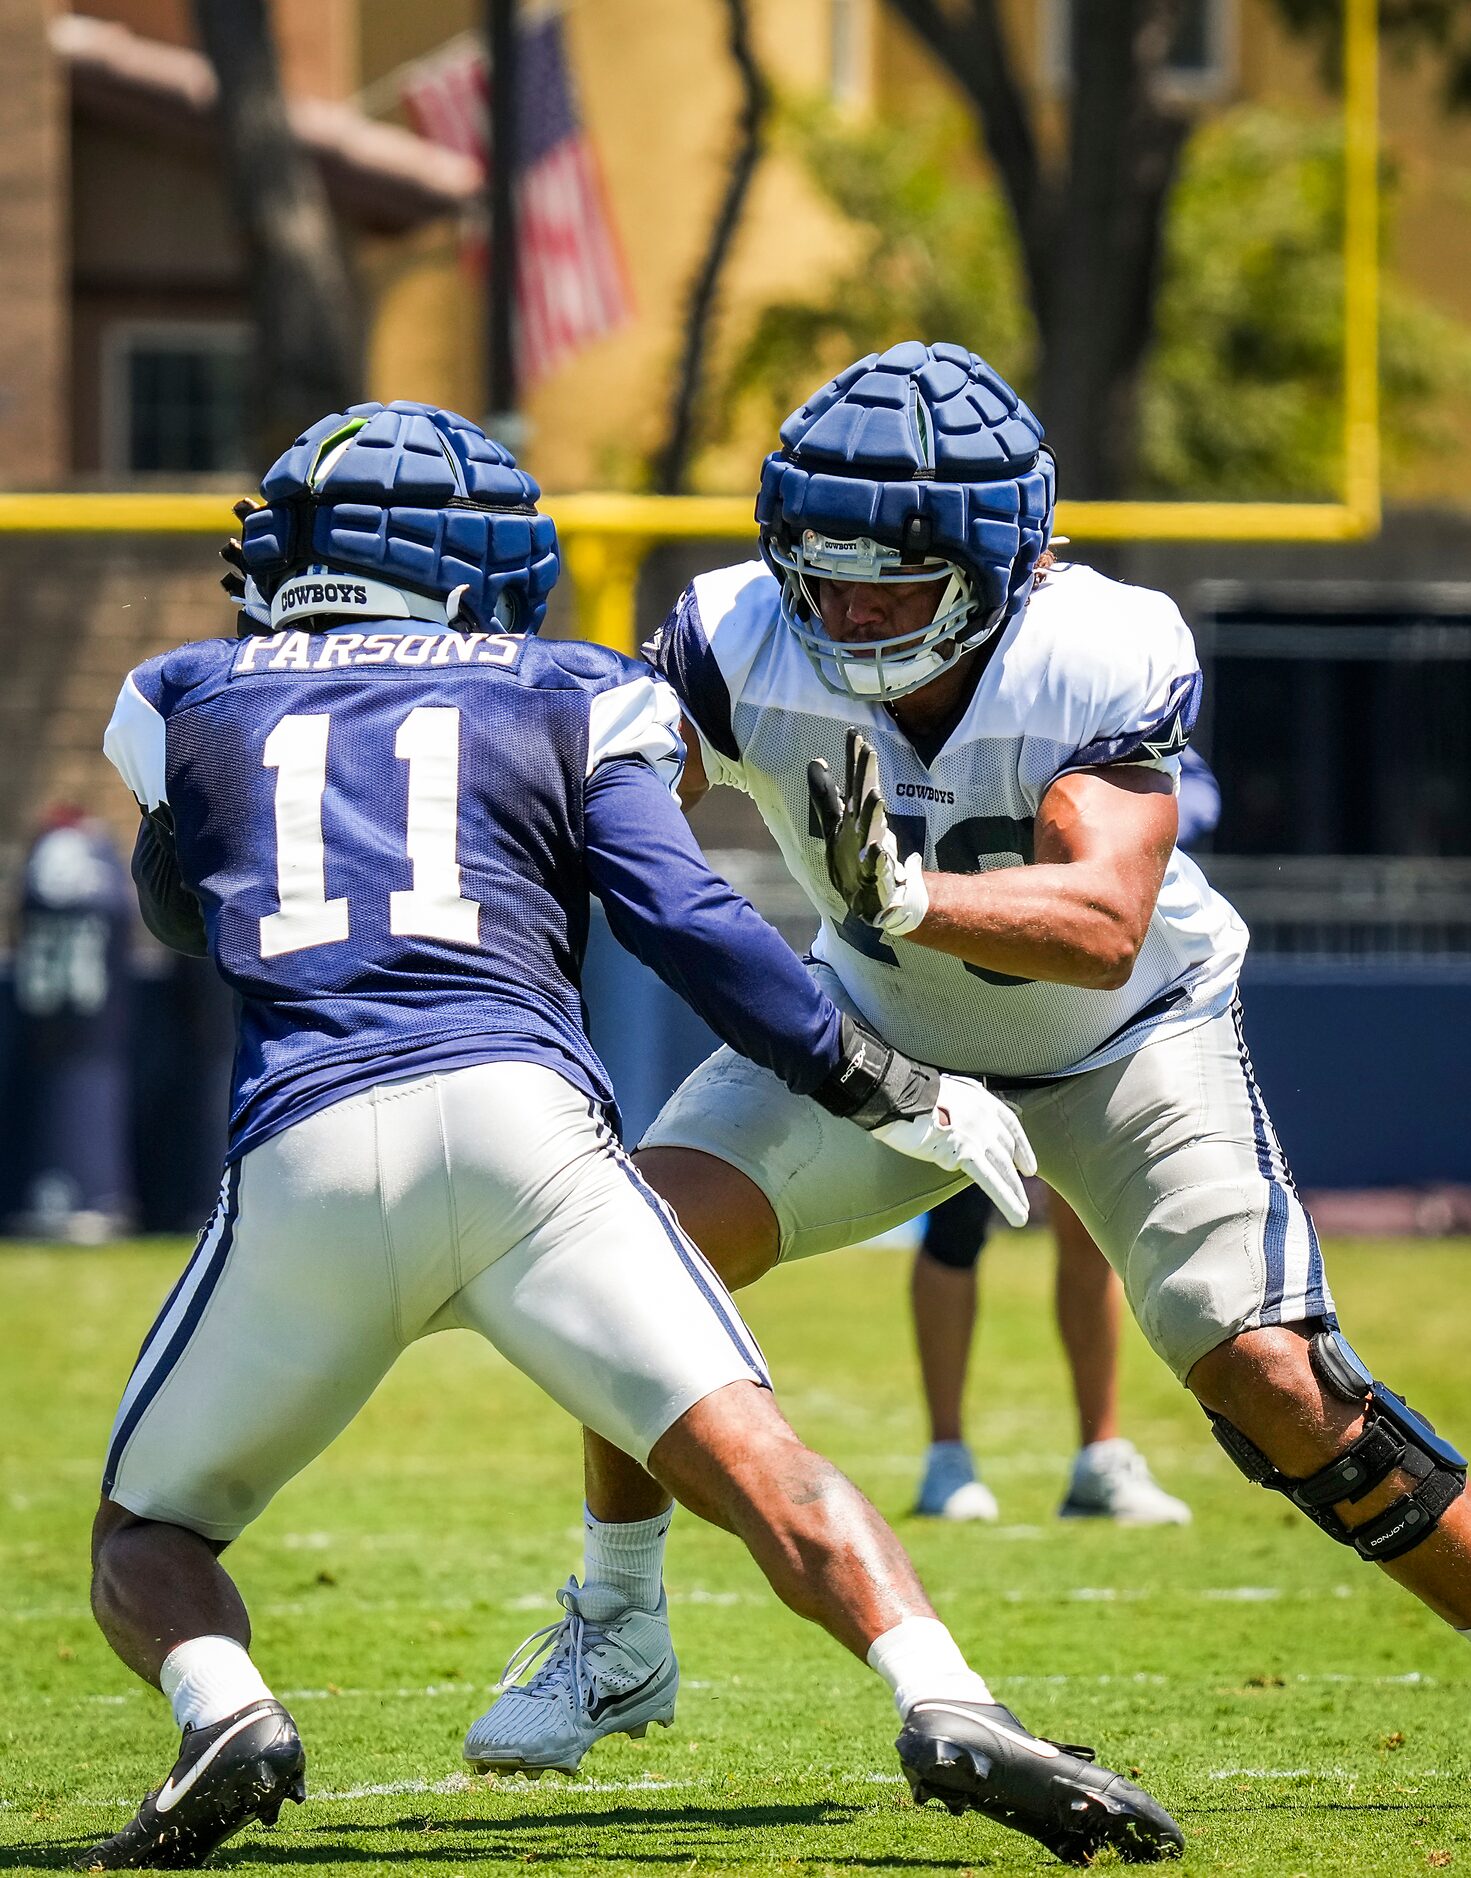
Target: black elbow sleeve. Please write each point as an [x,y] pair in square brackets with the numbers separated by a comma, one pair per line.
[170,911]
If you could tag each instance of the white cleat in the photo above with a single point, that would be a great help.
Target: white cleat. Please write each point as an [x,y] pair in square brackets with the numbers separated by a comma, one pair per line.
[605,1669]
[1111,1480]
[950,1488]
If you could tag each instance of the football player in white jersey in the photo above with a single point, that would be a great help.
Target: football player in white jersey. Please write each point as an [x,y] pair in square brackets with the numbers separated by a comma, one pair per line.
[973,777]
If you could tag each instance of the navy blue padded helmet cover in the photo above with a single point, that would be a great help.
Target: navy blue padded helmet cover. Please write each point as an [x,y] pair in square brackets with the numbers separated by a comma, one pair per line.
[383,509]
[925,449]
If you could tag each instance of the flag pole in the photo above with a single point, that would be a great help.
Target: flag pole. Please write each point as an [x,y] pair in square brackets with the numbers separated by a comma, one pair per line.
[501,391]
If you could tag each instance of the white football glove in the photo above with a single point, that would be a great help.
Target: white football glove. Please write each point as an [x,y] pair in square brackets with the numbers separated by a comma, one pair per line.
[969,1131]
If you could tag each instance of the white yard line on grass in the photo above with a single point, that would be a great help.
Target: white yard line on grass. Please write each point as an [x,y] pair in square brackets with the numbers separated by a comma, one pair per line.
[462,1783]
[474,1692]
[1279,1773]
[698,1594]
[570,1785]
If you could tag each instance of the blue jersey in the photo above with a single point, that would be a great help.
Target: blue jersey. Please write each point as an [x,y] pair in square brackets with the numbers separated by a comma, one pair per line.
[392,836]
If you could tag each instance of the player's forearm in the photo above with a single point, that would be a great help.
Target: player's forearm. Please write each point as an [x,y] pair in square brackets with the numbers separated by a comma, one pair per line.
[1063,924]
[694,784]
[710,946]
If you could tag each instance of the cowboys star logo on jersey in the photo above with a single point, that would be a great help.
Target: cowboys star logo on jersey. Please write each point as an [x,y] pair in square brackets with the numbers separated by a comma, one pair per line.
[1171,741]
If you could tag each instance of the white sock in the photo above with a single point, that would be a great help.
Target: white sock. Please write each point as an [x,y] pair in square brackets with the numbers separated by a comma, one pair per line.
[208,1678]
[629,1556]
[921,1662]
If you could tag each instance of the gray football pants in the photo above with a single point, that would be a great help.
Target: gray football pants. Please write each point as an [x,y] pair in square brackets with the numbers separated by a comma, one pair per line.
[1168,1157]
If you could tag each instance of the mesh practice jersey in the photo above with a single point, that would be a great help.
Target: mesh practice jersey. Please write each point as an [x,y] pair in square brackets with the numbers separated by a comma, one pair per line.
[392,836]
[1093,672]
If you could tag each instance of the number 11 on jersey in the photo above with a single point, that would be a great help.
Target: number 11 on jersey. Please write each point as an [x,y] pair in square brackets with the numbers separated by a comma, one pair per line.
[297,750]
[428,740]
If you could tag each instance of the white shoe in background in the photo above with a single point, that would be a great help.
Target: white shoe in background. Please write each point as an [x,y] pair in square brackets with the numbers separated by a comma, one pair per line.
[951,1488]
[1111,1480]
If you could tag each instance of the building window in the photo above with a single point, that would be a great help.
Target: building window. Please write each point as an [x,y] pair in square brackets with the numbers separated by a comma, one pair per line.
[174,398]
[848,52]
[1201,57]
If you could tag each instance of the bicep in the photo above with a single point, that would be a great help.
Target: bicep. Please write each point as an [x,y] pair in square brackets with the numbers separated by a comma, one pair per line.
[1120,821]
[694,784]
[135,743]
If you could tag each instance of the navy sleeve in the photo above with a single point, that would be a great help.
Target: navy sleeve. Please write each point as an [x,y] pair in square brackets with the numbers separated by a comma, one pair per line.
[708,944]
[680,652]
[1166,734]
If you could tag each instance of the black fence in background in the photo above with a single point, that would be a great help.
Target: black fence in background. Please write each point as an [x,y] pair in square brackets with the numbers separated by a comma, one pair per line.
[1338,714]
[1338,718]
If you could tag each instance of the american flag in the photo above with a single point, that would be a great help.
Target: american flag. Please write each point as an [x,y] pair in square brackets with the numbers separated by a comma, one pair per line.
[572,283]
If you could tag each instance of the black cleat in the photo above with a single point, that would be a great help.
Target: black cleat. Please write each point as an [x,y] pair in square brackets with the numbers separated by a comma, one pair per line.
[242,1768]
[977,1757]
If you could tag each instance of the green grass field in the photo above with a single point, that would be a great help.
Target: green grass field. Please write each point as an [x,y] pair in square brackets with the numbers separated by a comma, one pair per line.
[1296,1712]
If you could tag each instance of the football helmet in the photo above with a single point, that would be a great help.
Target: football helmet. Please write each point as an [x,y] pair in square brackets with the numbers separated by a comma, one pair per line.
[917,464]
[396,511]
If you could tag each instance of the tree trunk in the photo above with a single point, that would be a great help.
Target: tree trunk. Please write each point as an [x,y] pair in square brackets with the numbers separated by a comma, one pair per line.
[1096,316]
[1090,238]
[672,462]
[302,299]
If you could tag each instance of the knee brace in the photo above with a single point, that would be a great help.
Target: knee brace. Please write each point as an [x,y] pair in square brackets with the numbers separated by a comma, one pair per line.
[1393,1436]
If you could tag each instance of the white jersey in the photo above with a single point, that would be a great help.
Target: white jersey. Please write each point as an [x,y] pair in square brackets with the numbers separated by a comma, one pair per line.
[1093,672]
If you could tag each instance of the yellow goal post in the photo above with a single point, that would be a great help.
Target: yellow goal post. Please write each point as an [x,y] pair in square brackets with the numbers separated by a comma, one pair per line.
[605,537]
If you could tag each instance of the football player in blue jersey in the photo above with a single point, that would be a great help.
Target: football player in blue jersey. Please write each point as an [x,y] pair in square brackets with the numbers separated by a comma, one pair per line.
[972,774]
[381,812]
[1110,1478]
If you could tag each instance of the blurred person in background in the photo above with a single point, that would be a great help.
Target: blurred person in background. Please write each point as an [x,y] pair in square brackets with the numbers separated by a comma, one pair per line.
[73,928]
[183,1048]
[1110,1478]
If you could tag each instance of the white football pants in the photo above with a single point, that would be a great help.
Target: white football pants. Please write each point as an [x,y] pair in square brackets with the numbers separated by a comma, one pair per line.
[492,1198]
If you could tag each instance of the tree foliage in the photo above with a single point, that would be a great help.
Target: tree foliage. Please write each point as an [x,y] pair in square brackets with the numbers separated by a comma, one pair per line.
[1440,29]
[1088,216]
[1242,392]
[934,253]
